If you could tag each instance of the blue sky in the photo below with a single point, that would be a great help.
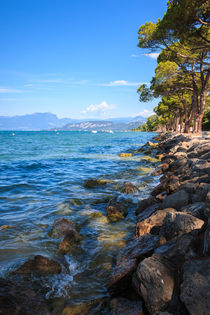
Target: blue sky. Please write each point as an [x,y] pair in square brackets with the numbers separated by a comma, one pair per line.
[75,58]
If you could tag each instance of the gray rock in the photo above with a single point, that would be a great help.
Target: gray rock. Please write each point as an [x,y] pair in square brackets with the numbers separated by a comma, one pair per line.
[124,306]
[154,282]
[119,280]
[16,299]
[116,211]
[176,200]
[206,239]
[195,288]
[176,224]
[154,221]
[139,248]
[39,265]
[196,209]
[148,212]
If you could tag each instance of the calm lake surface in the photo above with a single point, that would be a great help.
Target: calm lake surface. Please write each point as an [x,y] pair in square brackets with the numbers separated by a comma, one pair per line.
[41,178]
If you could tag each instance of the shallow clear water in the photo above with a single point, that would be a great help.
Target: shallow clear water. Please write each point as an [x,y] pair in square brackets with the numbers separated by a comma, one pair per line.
[41,178]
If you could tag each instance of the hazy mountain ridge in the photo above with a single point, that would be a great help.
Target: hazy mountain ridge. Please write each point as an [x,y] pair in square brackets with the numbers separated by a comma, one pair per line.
[49,121]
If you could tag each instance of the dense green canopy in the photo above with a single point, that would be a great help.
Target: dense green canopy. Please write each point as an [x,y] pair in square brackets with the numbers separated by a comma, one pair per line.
[182,38]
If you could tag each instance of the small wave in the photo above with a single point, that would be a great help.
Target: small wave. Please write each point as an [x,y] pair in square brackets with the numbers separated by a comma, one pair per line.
[20,187]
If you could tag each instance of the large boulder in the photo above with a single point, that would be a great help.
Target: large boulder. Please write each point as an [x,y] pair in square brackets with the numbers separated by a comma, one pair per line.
[116,211]
[154,282]
[148,211]
[40,265]
[196,209]
[176,200]
[153,223]
[120,278]
[145,203]
[176,224]
[195,288]
[16,299]
[138,249]
[121,306]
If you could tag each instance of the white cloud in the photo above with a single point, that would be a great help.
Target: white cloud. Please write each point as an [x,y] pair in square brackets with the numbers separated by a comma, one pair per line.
[101,108]
[152,55]
[121,83]
[5,90]
[135,56]
[145,113]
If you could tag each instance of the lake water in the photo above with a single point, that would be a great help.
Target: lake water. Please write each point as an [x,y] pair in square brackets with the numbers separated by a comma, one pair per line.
[41,178]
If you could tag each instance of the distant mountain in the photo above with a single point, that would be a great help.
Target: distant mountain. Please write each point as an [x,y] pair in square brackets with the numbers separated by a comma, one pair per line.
[49,121]
[36,121]
[101,125]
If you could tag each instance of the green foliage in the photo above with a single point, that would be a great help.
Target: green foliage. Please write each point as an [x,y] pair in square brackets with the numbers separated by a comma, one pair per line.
[206,119]
[182,73]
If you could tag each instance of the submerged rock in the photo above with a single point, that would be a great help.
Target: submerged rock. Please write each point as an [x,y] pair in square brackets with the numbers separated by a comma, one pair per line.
[70,238]
[16,299]
[40,265]
[126,154]
[61,227]
[154,282]
[92,182]
[65,228]
[124,306]
[195,288]
[129,188]
[116,211]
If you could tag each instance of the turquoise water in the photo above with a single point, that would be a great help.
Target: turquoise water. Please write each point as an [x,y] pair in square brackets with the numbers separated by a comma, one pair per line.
[41,178]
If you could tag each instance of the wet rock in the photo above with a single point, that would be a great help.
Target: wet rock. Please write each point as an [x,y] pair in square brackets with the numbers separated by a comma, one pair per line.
[176,224]
[195,288]
[176,200]
[189,186]
[61,227]
[121,306]
[120,278]
[129,188]
[148,212]
[183,248]
[145,203]
[206,240]
[92,182]
[116,211]
[154,282]
[16,299]
[93,307]
[5,227]
[196,209]
[159,189]
[155,220]
[137,249]
[40,265]
[157,172]
[71,238]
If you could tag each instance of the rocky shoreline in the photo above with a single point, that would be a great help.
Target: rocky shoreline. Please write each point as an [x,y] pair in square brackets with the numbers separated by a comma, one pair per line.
[165,269]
